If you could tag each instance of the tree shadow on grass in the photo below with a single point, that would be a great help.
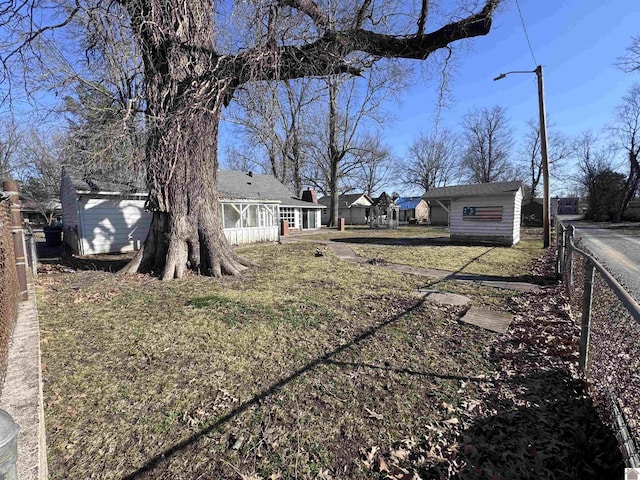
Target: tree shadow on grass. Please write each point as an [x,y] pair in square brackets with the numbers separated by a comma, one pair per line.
[182,445]
[544,427]
[534,426]
[407,241]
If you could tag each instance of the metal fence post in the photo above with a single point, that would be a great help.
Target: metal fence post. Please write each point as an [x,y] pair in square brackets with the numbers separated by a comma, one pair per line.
[32,259]
[589,272]
[569,257]
[560,251]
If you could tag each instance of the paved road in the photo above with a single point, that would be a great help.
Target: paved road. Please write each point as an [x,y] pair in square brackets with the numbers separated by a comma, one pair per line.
[618,248]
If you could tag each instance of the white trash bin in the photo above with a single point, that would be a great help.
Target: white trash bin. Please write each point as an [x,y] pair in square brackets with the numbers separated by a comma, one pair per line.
[8,447]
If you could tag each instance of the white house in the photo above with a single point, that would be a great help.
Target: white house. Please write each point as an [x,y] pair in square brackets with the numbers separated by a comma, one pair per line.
[483,212]
[355,208]
[254,205]
[103,217]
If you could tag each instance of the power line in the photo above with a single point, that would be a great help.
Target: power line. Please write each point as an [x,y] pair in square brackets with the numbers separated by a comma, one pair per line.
[526,34]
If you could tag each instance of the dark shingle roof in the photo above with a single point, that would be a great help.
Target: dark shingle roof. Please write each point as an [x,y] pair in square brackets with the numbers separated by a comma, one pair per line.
[241,185]
[475,190]
[345,200]
[102,186]
[231,185]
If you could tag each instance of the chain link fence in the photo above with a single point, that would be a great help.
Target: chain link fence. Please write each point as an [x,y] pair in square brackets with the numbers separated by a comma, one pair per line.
[9,285]
[610,339]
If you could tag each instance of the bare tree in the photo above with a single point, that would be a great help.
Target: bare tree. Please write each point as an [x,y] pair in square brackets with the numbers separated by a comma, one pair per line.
[597,176]
[339,153]
[189,78]
[271,119]
[627,132]
[41,157]
[433,161]
[10,141]
[373,168]
[559,149]
[630,61]
[488,143]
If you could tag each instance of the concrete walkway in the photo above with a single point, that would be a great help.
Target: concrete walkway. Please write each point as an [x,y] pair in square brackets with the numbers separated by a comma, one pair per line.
[345,252]
[22,392]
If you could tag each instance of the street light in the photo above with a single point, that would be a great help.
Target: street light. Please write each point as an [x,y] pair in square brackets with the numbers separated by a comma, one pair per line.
[543,150]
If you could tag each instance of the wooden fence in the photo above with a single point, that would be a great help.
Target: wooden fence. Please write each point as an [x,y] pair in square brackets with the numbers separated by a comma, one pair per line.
[610,339]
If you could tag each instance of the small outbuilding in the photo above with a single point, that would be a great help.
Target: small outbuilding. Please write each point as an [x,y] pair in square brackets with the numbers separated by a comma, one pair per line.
[101,216]
[355,208]
[413,210]
[483,212]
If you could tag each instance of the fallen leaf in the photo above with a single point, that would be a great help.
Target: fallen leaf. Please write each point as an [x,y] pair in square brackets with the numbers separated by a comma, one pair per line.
[372,414]
[382,465]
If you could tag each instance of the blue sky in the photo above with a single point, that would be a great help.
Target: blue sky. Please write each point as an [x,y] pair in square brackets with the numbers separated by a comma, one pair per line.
[576,41]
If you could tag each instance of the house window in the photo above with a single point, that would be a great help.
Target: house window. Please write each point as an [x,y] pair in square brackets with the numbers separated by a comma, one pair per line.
[230,215]
[235,215]
[267,216]
[289,215]
[250,216]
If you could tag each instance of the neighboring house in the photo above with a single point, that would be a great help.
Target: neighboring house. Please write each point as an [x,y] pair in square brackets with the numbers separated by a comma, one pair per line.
[568,206]
[484,212]
[413,210]
[107,217]
[355,208]
[33,213]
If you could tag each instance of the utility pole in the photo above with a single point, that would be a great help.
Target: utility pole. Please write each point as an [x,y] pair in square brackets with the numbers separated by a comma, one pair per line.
[544,151]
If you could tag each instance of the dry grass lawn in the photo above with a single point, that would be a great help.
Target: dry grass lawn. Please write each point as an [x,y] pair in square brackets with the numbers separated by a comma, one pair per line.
[308,367]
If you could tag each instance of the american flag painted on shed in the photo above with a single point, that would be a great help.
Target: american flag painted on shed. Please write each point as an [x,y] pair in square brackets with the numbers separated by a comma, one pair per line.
[490,214]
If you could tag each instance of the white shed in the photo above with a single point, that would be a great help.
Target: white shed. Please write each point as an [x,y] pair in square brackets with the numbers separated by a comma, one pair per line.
[483,212]
[104,218]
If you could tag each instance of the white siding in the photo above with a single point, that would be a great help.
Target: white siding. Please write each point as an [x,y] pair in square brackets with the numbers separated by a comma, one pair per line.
[242,236]
[517,207]
[113,225]
[504,231]
[69,203]
[70,218]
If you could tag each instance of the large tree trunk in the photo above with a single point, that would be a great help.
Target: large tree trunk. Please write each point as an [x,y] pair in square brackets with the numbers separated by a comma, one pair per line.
[186,230]
[183,112]
[334,153]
